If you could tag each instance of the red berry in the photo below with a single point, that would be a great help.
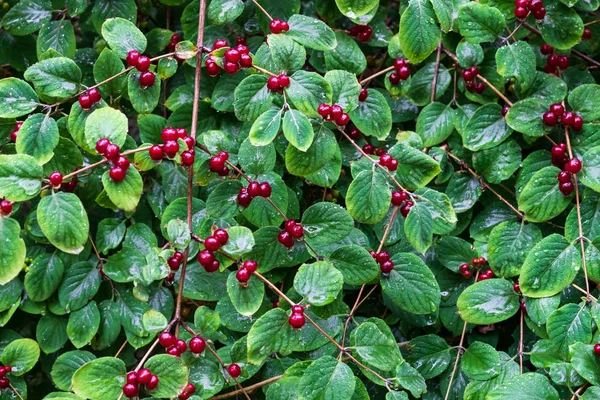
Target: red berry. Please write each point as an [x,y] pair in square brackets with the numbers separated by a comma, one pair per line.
[220,43]
[505,110]
[94,95]
[522,3]
[212,243]
[242,49]
[297,231]
[175,38]
[216,163]
[549,118]
[273,83]
[13,136]
[365,35]
[557,109]
[342,120]
[386,267]
[573,165]
[517,287]
[143,63]
[523,306]
[379,152]
[563,62]
[558,152]
[122,162]
[187,158]
[297,321]
[132,377]
[183,396]
[169,134]
[399,63]
[285,26]
[130,390]
[173,351]
[275,26]
[403,73]
[224,155]
[244,199]
[405,210]
[56,178]
[166,339]
[242,275]
[214,267]
[70,186]
[564,176]
[234,370]
[254,189]
[181,346]
[206,258]
[597,349]
[245,61]
[354,133]
[464,267]
[147,79]
[398,198]
[221,235]
[521,12]
[112,151]
[285,238]
[553,60]
[197,345]
[546,49]
[382,257]
[190,388]
[232,55]
[363,94]
[466,274]
[156,152]
[85,102]
[489,273]
[587,34]
[171,148]
[212,68]
[284,80]
[132,58]
[568,118]
[289,224]
[368,148]
[144,375]
[173,263]
[577,123]
[480,88]
[385,159]
[324,110]
[250,266]
[467,75]
[152,383]
[539,14]
[536,5]
[117,174]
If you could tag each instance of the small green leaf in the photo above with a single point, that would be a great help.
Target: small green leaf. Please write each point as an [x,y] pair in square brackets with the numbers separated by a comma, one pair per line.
[65,366]
[529,386]
[584,101]
[326,223]
[83,325]
[415,168]
[64,221]
[319,283]
[17,98]
[79,285]
[44,276]
[373,117]
[12,252]
[58,36]
[252,98]
[106,66]
[326,378]
[509,244]
[481,361]
[568,325]
[368,198]
[480,23]
[418,228]
[287,55]
[311,32]
[26,17]
[488,302]
[517,60]
[266,127]
[585,362]
[123,36]
[144,99]
[542,186]
[223,11]
[38,137]
[58,78]
[21,355]
[248,298]
[486,128]
[435,123]
[355,263]
[172,375]
[562,27]
[307,91]
[525,117]
[298,130]
[377,348]
[125,194]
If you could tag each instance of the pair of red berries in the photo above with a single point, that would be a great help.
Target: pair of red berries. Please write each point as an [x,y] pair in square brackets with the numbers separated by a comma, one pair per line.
[292,230]
[188,391]
[216,240]
[15,132]
[207,259]
[487,274]
[401,73]
[245,272]
[469,75]
[6,207]
[555,63]
[557,114]
[524,7]
[278,26]
[253,190]
[170,137]
[174,346]
[361,32]
[400,199]
[175,261]
[91,97]
[297,319]
[278,83]
[175,38]
[388,161]
[333,113]
[4,381]
[142,377]
[217,163]
[142,64]
[370,149]
[112,152]
[383,259]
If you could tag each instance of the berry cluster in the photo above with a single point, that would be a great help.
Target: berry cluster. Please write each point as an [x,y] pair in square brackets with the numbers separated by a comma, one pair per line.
[297,319]
[175,38]
[206,257]
[402,72]
[554,63]
[112,152]
[253,190]
[15,132]
[558,114]
[333,113]
[135,379]
[465,269]
[370,149]
[234,371]
[469,75]
[4,381]
[188,391]
[245,272]
[524,7]
[383,259]
[170,146]
[91,97]
[568,166]
[6,207]
[361,32]
[142,64]
[278,83]
[278,26]
[292,230]
[234,58]
[388,161]
[217,163]
[400,199]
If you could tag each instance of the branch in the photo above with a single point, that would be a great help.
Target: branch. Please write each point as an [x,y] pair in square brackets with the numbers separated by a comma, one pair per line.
[436,71]
[248,388]
[375,75]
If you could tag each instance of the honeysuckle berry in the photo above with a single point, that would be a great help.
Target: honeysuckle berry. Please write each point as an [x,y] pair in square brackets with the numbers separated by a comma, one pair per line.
[250,266]
[557,109]
[206,258]
[564,176]
[130,390]
[143,63]
[297,320]
[368,148]
[523,306]
[131,377]
[363,95]
[354,132]
[577,123]
[505,110]
[94,95]
[212,68]
[197,345]
[70,186]
[382,257]
[173,263]
[132,58]
[152,383]
[221,235]
[573,165]
[101,145]
[546,49]
[173,351]
[112,151]
[245,61]
[324,110]
[242,49]
[386,267]
[147,79]
[166,339]
[539,14]
[85,102]
[549,118]
[216,163]
[297,231]
[254,189]
[168,134]
[466,274]
[405,210]
[464,267]
[342,120]
[243,198]
[273,84]
[558,151]
[232,55]
[190,388]
[563,62]
[117,174]
[597,349]
[242,275]
[187,158]
[234,370]
[285,238]
[567,118]
[398,197]
[220,43]
[587,34]
[517,287]
[15,132]
[284,81]
[143,376]
[265,189]
[213,267]
[156,152]
[122,162]
[183,396]
[521,12]
[212,243]
[278,26]
[379,152]
[171,148]
[467,75]
[181,346]
[56,178]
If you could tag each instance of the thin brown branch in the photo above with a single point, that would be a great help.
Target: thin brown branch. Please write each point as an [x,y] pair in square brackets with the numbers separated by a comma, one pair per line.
[436,72]
[121,348]
[16,392]
[520,349]
[375,75]
[262,9]
[264,71]
[579,391]
[247,388]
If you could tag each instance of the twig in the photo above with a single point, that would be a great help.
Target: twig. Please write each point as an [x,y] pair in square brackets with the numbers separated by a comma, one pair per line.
[520,350]
[435,72]
[375,75]
[214,353]
[262,9]
[121,348]
[264,71]
[247,388]
[579,391]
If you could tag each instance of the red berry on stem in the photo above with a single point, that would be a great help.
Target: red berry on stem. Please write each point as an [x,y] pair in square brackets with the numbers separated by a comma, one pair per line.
[214,267]
[216,163]
[398,198]
[152,383]
[368,148]
[244,199]
[171,148]
[183,396]
[557,109]
[517,287]
[566,188]
[285,238]
[285,26]
[187,158]
[567,118]
[342,120]
[234,370]
[197,345]
[242,275]
[56,178]
[211,243]
[385,159]
[4,383]
[336,111]
[147,79]
[522,3]
[273,84]
[573,165]
[190,388]
[289,224]
[265,189]
[386,267]
[94,95]
[245,61]
[143,63]
[546,49]
[403,73]
[324,110]
[130,390]
[597,349]
[480,88]
[563,62]
[467,75]
[275,26]
[206,258]
[132,58]
[173,263]
[168,134]
[297,321]
[254,189]
[284,80]
[363,94]
[242,49]
[144,375]
[382,257]
[212,68]
[297,231]
[232,55]
[220,43]
[466,274]
[399,63]
[166,339]
[464,267]
[505,110]
[221,235]
[549,118]
[156,153]
[117,174]
[6,207]
[539,14]
[558,152]
[587,34]
[131,377]
[122,162]
[577,123]
[181,346]
[564,176]
[521,12]
[85,102]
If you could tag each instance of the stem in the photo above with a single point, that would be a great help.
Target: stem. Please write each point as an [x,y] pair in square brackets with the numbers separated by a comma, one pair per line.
[262,9]
[375,75]
[435,73]
[121,348]
[147,355]
[274,288]
[214,353]
[520,350]
[264,71]
[579,391]
[16,392]
[248,388]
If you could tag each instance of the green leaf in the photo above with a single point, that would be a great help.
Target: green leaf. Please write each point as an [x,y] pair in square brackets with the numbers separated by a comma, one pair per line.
[355,263]
[12,252]
[368,198]
[568,325]
[44,276]
[51,333]
[584,101]
[240,241]
[517,60]
[480,23]
[21,355]
[58,36]
[345,88]
[106,123]
[80,284]
[452,252]
[260,212]
[585,362]
[419,33]
[590,173]
[319,283]
[252,98]
[307,91]
[463,190]
[144,99]
[27,17]
[488,302]
[20,177]
[100,379]
[111,232]
[415,168]
[123,36]
[65,366]
[481,361]
[17,98]
[38,137]
[509,244]
[377,348]
[266,127]
[154,321]
[248,298]
[529,386]
[269,334]
[430,354]
[468,54]
[411,285]
[326,378]
[525,117]
[222,200]
[346,55]
[498,163]
[486,128]
[287,55]
[83,325]
[320,152]
[298,130]
[106,66]
[562,27]
[125,194]
[57,78]
[172,375]
[373,117]
[418,228]
[326,223]
[167,67]
[356,8]
[549,267]
[435,123]
[540,199]
[223,11]
[311,32]
[64,221]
